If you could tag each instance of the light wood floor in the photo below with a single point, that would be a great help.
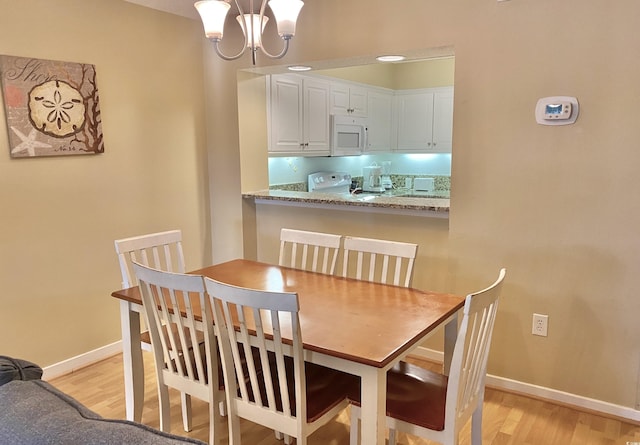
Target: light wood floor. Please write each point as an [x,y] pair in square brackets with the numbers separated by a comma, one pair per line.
[508,419]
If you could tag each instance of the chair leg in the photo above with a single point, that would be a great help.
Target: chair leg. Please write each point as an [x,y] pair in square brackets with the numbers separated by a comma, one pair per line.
[355,426]
[185,400]
[223,408]
[165,414]
[234,430]
[476,426]
[214,421]
[287,439]
[392,436]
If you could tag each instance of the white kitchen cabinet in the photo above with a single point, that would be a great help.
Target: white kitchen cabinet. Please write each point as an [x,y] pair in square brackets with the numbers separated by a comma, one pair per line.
[379,134]
[443,121]
[425,120]
[348,99]
[299,116]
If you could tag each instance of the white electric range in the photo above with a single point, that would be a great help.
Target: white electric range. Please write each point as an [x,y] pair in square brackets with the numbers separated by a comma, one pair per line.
[330,182]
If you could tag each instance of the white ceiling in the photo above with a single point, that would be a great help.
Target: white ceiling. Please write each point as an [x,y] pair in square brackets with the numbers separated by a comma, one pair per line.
[184,8]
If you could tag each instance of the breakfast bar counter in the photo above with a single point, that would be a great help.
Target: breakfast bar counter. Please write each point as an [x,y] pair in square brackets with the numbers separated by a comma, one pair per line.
[416,204]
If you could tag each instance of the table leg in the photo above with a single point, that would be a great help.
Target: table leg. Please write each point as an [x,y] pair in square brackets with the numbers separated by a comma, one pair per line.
[373,410]
[450,335]
[132,360]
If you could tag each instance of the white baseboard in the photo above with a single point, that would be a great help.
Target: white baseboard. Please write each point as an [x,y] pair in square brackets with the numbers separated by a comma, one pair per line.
[541,392]
[565,398]
[80,361]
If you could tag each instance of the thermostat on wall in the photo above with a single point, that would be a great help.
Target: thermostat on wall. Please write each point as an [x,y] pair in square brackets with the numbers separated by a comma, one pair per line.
[557,110]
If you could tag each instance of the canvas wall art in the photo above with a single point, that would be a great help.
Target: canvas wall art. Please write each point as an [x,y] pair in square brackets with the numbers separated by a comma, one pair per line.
[51,107]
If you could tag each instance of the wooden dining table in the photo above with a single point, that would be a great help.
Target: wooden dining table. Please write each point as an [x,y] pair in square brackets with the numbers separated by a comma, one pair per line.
[355,326]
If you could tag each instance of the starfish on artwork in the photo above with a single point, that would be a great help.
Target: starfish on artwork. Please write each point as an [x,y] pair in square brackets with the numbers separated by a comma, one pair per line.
[29,143]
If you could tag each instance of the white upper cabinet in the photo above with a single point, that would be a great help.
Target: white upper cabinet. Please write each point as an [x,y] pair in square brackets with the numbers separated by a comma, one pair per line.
[299,116]
[443,121]
[348,99]
[415,121]
[379,134]
[316,128]
[425,120]
[412,121]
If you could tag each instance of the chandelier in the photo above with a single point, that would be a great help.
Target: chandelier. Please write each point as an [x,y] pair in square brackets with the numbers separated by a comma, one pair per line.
[214,12]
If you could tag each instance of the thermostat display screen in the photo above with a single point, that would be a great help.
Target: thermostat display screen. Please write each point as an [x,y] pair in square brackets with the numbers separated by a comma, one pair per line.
[553,109]
[557,110]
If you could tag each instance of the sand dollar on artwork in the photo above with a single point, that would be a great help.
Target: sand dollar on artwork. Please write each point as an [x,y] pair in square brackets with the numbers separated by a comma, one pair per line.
[56,108]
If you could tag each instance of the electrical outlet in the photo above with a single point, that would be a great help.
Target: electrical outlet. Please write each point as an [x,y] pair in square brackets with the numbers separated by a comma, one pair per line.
[540,325]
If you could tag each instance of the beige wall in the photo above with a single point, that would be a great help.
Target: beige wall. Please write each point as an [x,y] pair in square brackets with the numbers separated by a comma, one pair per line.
[380,75]
[59,216]
[557,206]
[430,73]
[399,76]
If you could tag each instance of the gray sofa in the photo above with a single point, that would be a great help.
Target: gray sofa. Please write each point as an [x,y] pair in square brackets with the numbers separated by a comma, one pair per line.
[36,413]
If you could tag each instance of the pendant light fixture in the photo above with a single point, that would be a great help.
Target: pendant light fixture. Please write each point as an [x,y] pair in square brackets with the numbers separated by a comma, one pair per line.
[214,12]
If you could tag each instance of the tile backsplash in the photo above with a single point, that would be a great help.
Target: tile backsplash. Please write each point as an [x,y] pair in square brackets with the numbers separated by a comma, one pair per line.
[441,183]
[292,187]
[290,173]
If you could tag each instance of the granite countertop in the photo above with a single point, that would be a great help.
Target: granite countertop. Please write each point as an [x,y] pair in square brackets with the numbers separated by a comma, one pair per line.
[399,199]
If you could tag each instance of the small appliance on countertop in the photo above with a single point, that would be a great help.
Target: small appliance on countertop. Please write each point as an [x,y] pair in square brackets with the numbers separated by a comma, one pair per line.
[329,182]
[385,179]
[423,184]
[371,179]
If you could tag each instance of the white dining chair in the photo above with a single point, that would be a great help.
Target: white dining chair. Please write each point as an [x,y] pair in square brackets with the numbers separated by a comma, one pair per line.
[436,407]
[313,251]
[383,261]
[184,351]
[162,251]
[289,395]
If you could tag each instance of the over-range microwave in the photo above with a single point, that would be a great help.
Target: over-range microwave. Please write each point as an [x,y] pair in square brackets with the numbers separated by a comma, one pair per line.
[348,135]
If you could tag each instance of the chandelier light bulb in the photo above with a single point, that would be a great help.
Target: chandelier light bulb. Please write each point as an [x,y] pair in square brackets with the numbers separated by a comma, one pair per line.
[286,14]
[255,31]
[214,12]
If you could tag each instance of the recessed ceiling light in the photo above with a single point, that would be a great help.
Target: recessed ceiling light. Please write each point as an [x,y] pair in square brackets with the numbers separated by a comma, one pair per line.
[390,58]
[299,68]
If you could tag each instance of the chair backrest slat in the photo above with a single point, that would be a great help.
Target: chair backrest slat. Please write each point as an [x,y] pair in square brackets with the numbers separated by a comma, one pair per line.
[382,258]
[313,251]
